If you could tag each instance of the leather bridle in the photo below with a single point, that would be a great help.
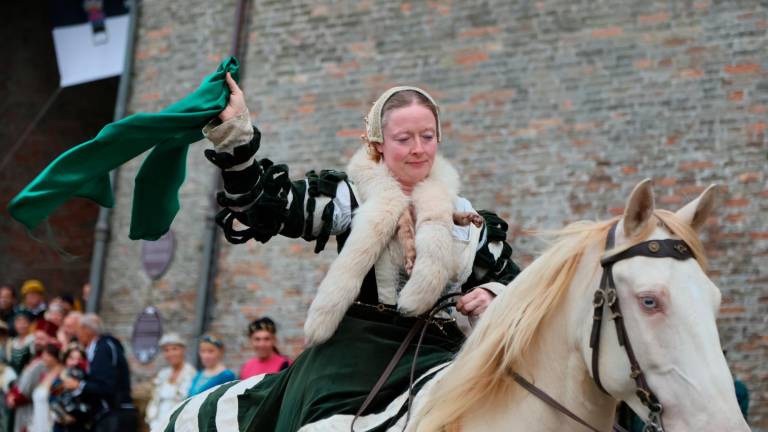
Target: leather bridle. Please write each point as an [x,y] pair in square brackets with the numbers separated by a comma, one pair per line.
[606,295]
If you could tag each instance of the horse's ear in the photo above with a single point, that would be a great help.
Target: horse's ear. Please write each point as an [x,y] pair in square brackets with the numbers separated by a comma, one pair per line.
[696,212]
[639,208]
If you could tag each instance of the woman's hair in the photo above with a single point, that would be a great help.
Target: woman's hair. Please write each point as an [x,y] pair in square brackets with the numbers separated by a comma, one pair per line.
[400,99]
[72,346]
[53,349]
[264,323]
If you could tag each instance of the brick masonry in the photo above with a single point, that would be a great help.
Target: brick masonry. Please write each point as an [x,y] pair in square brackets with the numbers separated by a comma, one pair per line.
[28,79]
[552,110]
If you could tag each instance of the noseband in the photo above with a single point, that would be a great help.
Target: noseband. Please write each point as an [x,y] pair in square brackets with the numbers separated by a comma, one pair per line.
[607,295]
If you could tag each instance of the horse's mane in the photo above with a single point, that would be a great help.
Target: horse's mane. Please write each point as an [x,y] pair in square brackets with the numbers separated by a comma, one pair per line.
[509,326]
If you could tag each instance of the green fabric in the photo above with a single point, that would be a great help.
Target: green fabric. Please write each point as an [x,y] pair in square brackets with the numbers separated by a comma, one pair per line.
[83,170]
[742,396]
[335,377]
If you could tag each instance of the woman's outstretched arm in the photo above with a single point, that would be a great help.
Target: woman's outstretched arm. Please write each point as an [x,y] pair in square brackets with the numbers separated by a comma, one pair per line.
[259,200]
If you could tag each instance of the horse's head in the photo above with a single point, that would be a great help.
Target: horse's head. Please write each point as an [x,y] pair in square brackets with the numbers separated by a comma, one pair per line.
[669,308]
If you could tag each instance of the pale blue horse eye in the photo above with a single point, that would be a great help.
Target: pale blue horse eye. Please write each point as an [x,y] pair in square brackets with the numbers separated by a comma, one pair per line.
[649,302]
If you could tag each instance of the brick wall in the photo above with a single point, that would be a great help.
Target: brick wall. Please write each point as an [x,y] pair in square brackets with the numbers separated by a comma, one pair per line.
[28,79]
[553,111]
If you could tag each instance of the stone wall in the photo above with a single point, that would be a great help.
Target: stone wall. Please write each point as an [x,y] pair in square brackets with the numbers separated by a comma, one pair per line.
[553,111]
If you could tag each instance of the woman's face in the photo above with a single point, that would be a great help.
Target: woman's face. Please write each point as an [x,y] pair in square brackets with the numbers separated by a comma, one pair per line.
[263,342]
[174,354]
[21,325]
[73,359]
[210,354]
[410,143]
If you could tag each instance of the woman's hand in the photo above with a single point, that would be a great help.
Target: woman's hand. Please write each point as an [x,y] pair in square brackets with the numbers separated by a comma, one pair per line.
[236,105]
[474,302]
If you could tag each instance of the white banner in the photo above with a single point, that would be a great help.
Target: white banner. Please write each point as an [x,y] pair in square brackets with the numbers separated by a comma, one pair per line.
[90,44]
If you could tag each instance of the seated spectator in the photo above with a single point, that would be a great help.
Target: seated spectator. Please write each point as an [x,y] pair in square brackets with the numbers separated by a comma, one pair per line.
[71,413]
[42,418]
[33,298]
[263,336]
[107,386]
[19,351]
[8,307]
[172,383]
[213,373]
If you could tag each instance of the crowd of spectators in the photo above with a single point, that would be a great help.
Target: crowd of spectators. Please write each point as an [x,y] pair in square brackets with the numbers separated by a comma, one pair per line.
[60,371]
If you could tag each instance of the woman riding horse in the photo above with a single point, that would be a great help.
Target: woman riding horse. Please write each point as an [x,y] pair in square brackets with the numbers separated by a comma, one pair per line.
[405,238]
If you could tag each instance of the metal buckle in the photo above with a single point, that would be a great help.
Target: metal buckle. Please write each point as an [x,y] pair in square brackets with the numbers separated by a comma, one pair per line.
[681,247]
[599,298]
[610,297]
[654,246]
[380,307]
[654,418]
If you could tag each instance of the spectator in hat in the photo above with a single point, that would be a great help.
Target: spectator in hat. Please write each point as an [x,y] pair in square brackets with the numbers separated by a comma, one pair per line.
[8,307]
[172,383]
[214,372]
[262,334]
[33,298]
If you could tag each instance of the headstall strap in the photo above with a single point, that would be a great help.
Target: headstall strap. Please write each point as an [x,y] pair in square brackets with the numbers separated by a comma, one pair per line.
[606,295]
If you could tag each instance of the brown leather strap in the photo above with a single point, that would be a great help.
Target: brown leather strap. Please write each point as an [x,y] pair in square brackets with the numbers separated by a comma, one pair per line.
[388,370]
[597,317]
[594,340]
[606,294]
[549,400]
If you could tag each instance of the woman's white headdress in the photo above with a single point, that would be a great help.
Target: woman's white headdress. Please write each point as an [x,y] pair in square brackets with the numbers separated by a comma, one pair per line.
[373,127]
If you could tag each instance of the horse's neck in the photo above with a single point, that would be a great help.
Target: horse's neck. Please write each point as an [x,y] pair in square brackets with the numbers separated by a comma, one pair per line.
[555,365]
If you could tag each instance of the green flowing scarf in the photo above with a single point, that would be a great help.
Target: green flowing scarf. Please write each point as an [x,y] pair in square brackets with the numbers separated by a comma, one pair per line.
[83,171]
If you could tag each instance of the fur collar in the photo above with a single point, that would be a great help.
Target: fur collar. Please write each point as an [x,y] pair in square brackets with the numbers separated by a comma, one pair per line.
[373,226]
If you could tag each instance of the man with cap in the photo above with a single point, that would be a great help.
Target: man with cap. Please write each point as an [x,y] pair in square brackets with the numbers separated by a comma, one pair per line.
[33,298]
[171,385]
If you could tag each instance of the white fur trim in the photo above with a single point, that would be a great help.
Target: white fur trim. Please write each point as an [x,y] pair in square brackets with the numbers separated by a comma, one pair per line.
[373,227]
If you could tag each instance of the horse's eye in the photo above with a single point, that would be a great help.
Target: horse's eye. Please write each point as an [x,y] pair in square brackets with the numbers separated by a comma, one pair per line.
[649,303]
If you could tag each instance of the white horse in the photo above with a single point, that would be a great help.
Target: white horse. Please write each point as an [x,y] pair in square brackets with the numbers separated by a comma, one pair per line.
[540,327]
